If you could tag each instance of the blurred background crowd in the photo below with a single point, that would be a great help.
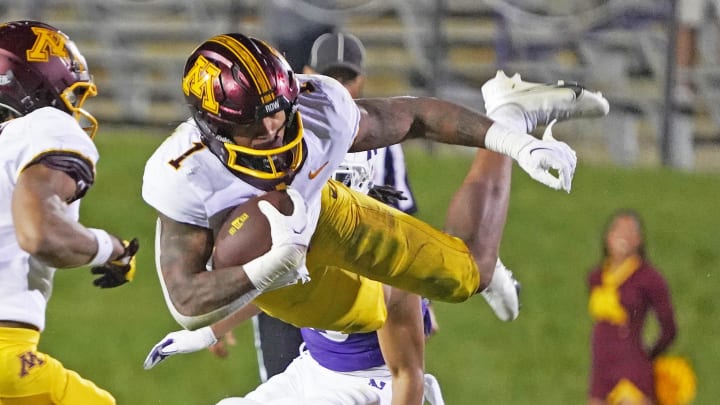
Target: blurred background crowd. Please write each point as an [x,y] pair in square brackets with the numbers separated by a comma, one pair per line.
[663,92]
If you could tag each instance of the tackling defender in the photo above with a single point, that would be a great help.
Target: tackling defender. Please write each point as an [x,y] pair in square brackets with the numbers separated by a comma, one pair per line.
[333,367]
[48,164]
[257,126]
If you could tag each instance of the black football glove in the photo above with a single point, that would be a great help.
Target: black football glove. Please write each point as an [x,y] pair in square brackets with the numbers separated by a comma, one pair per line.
[386,194]
[119,271]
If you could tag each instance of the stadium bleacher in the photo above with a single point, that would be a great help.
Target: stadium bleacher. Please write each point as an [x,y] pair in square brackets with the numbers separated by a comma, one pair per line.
[137,49]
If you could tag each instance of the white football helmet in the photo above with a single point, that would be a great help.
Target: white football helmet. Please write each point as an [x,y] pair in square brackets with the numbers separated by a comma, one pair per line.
[357,171]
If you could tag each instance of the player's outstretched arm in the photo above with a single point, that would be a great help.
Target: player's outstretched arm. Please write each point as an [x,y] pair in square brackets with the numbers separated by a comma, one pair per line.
[186,341]
[387,121]
[392,120]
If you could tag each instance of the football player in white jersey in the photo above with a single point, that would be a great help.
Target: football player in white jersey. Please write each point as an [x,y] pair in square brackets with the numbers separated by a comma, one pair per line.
[257,126]
[47,161]
[341,56]
[380,172]
[333,367]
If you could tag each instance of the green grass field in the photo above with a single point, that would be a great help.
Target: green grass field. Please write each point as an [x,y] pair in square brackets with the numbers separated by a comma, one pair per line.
[551,241]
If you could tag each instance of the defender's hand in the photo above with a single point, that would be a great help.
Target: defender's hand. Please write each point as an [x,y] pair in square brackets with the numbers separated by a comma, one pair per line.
[386,194]
[184,341]
[539,157]
[119,271]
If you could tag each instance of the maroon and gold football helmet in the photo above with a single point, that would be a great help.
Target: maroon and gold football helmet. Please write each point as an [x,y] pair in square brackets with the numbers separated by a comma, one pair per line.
[232,80]
[41,67]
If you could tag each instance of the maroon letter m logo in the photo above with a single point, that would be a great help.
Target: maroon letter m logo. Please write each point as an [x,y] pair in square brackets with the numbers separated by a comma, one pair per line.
[29,360]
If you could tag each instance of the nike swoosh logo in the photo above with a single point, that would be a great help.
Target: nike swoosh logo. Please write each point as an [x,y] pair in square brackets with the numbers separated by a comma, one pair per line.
[534,149]
[314,173]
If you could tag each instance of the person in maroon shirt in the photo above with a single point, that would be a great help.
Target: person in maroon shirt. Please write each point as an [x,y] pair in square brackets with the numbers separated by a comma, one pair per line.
[624,287]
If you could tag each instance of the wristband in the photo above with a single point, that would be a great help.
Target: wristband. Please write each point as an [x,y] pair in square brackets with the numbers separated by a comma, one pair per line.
[264,270]
[506,141]
[105,247]
[206,335]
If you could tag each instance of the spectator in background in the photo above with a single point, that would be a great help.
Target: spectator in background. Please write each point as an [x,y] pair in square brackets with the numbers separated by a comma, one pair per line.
[691,14]
[342,56]
[623,289]
[293,26]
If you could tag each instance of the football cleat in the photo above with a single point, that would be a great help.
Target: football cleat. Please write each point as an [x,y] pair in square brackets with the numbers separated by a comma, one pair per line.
[503,293]
[542,103]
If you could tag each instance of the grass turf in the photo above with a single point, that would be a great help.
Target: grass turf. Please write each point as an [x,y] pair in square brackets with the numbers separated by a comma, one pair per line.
[551,241]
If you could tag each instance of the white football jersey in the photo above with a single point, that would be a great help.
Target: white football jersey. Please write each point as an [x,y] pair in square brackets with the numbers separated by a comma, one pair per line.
[25,282]
[201,189]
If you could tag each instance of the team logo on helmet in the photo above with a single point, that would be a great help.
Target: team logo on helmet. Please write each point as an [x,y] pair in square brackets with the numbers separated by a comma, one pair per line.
[199,81]
[44,68]
[47,42]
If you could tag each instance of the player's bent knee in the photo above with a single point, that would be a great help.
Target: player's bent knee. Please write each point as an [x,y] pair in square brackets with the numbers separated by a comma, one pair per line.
[452,290]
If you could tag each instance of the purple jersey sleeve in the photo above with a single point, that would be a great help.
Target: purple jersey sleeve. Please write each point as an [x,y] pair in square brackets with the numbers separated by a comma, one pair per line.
[349,352]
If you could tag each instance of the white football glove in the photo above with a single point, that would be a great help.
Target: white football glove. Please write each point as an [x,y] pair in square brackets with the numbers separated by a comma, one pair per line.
[502,294]
[284,263]
[539,156]
[536,156]
[291,229]
[183,341]
[433,394]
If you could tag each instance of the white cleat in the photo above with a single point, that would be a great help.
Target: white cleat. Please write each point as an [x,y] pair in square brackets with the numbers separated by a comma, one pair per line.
[542,103]
[503,293]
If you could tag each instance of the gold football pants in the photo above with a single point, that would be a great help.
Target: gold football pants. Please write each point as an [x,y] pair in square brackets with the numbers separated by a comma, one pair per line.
[28,377]
[360,243]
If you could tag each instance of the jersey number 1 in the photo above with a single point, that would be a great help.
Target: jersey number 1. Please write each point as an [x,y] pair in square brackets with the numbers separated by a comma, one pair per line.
[196,147]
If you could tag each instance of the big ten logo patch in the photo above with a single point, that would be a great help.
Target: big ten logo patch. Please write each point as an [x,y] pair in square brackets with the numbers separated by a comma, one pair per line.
[28,361]
[237,223]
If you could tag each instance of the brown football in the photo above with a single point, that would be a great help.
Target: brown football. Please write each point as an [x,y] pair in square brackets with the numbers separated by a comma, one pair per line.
[245,234]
